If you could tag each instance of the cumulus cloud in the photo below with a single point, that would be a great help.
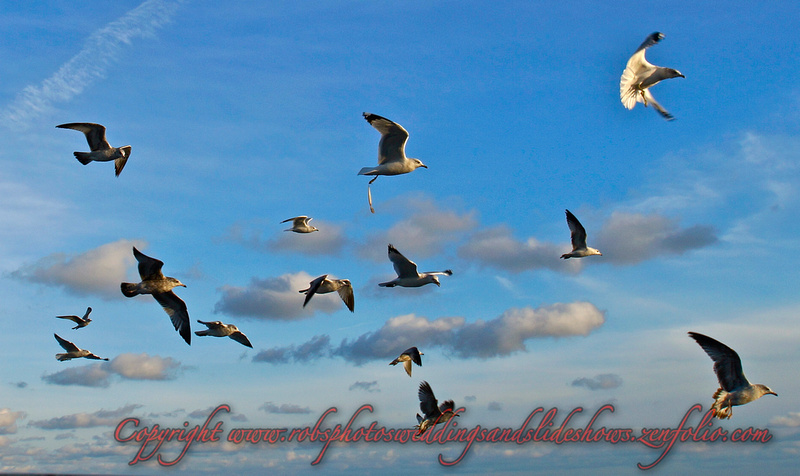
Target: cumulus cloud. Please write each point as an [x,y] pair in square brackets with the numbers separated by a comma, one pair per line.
[791,420]
[497,247]
[629,238]
[370,387]
[599,382]
[424,231]
[126,366]
[503,335]
[97,271]
[8,421]
[328,241]
[276,298]
[86,420]
[284,408]
[90,64]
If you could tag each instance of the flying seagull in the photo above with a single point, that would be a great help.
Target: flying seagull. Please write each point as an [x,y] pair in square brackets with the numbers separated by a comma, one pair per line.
[300,225]
[81,321]
[407,274]
[323,285]
[160,286]
[73,352]
[433,412]
[101,149]
[734,389]
[577,235]
[639,76]
[392,158]
[409,355]
[218,329]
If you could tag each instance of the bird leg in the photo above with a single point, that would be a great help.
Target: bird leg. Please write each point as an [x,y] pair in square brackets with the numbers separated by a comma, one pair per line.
[374,179]
[644,98]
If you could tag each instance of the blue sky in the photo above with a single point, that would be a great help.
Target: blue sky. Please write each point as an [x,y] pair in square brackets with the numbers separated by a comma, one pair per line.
[242,115]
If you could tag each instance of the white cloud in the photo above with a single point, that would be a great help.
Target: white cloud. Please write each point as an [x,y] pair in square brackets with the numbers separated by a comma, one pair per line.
[791,420]
[8,421]
[126,366]
[90,64]
[497,247]
[329,240]
[98,271]
[276,298]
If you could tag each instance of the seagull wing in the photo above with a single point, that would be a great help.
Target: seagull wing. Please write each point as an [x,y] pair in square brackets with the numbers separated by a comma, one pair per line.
[577,232]
[404,267]
[66,345]
[427,401]
[239,337]
[177,312]
[149,268]
[211,324]
[393,138]
[75,319]
[651,101]
[727,364]
[634,72]
[447,405]
[95,134]
[415,355]
[313,287]
[346,293]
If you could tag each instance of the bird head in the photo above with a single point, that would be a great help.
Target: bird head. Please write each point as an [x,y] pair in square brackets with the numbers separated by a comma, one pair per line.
[765,390]
[674,73]
[594,251]
[418,163]
[174,282]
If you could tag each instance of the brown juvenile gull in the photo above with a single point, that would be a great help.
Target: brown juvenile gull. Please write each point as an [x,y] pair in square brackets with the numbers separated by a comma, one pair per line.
[73,352]
[578,238]
[323,285]
[392,158]
[81,321]
[639,76]
[407,274]
[409,355]
[734,389]
[300,225]
[434,413]
[101,149]
[218,329]
[154,282]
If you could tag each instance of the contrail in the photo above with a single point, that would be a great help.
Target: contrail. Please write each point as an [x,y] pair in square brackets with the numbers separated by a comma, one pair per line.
[90,64]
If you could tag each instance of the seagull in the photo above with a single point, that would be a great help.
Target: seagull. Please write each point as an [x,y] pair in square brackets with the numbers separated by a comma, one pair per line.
[392,158]
[409,355]
[734,389]
[101,149]
[578,237]
[323,285]
[407,275]
[433,414]
[218,329]
[639,76]
[300,225]
[73,352]
[81,321]
[155,283]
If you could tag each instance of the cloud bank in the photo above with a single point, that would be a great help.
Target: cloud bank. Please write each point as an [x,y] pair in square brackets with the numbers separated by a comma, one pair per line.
[86,420]
[125,366]
[501,336]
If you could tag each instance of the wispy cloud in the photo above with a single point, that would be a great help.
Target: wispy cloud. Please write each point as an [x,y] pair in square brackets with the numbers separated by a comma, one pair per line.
[86,420]
[90,64]
[599,382]
[284,408]
[329,240]
[503,335]
[97,271]
[370,387]
[126,366]
[791,420]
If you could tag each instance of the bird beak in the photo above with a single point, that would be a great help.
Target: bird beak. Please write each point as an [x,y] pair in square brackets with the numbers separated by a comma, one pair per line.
[423,165]
[682,76]
[772,393]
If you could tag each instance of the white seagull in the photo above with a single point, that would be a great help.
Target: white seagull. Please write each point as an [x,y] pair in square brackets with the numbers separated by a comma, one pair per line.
[432,411]
[639,76]
[300,225]
[578,238]
[101,150]
[323,285]
[81,321]
[218,329]
[411,354]
[407,274]
[154,282]
[392,158]
[73,352]
[734,389]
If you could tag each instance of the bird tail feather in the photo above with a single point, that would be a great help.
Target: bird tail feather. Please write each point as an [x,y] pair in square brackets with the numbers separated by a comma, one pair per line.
[83,157]
[129,289]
